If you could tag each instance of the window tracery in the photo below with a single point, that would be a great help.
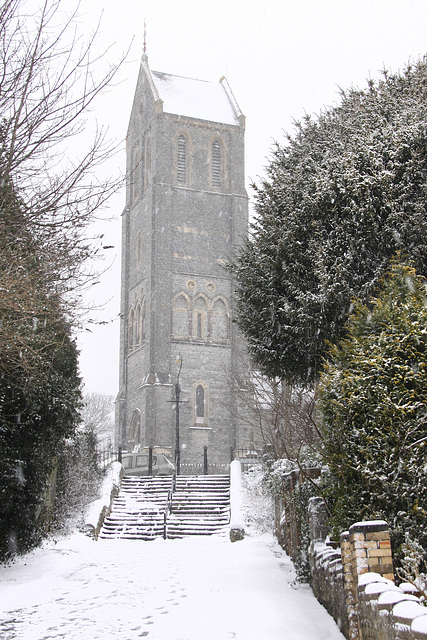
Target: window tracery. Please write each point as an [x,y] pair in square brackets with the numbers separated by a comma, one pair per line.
[220,319]
[180,319]
[199,324]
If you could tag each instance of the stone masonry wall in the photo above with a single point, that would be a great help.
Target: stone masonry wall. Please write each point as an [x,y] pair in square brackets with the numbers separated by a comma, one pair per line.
[328,582]
[388,612]
[356,585]
[326,567]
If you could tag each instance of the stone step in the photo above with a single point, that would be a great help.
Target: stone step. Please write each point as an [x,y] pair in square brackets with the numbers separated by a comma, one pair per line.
[194,504]
[184,530]
[200,506]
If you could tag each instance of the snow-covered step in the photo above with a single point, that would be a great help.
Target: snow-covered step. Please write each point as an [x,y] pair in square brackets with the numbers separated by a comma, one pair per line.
[139,509]
[200,506]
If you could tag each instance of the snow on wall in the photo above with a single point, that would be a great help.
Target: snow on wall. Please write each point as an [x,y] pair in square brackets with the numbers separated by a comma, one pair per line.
[385,612]
[328,582]
[99,509]
[236,517]
[389,612]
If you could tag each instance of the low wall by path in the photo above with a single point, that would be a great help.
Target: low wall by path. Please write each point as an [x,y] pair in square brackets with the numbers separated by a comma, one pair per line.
[355,583]
[388,612]
[237,529]
[328,582]
[101,508]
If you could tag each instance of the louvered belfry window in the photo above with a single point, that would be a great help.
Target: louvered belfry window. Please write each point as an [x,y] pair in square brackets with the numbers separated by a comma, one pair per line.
[182,160]
[216,165]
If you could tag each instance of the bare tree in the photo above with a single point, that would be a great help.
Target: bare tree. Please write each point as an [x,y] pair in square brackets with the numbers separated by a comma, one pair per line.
[280,417]
[97,416]
[50,192]
[48,85]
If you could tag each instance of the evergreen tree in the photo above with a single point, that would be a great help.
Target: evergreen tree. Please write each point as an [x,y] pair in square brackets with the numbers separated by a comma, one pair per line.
[373,402]
[343,194]
[37,414]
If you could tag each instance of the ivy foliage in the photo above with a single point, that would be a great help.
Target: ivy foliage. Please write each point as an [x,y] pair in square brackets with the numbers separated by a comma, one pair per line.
[341,197]
[37,415]
[373,405]
[39,382]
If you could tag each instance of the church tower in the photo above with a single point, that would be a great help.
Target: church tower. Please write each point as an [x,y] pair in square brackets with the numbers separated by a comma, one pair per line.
[186,211]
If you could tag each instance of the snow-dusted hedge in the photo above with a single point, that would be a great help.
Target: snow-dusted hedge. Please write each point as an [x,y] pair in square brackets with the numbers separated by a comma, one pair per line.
[373,399]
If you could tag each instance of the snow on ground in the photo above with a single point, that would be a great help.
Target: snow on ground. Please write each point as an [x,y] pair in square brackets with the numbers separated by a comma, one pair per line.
[201,588]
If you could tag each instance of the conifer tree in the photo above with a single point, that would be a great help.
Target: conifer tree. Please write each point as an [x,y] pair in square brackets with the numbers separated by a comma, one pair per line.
[373,403]
[341,197]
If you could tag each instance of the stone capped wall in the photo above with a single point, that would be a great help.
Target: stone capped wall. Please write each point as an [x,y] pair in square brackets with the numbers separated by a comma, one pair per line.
[388,612]
[366,604]
[328,582]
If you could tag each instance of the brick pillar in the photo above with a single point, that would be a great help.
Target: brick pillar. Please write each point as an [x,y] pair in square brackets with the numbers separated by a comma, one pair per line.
[365,548]
[371,549]
[350,587]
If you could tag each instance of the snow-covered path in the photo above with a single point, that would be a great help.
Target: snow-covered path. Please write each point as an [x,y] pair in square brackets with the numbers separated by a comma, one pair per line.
[205,588]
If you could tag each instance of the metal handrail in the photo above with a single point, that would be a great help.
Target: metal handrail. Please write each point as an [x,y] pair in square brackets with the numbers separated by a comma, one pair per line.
[167,510]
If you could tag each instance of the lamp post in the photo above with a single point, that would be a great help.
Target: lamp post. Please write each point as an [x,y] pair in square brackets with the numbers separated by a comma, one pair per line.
[177,395]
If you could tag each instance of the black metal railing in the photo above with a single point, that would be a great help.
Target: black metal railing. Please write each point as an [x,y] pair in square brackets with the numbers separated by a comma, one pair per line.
[248,457]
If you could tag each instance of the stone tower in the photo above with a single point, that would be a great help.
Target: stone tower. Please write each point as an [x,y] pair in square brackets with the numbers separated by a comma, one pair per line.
[186,210]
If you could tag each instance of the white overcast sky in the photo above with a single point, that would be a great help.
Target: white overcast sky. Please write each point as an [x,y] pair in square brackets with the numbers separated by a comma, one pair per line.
[282,58]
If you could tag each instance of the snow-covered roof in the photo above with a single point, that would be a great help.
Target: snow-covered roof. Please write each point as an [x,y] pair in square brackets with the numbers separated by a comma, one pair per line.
[200,99]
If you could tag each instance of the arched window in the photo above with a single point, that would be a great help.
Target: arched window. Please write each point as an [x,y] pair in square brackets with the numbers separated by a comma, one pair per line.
[182,160]
[200,405]
[220,320]
[199,319]
[147,162]
[131,176]
[142,172]
[142,322]
[134,173]
[139,248]
[216,165]
[180,324]
[138,326]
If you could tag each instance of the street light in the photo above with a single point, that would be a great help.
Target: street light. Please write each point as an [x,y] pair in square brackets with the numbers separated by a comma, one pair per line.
[177,394]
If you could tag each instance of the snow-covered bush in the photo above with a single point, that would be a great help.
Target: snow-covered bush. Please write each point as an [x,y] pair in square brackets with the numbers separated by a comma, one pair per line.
[300,498]
[411,568]
[373,401]
[307,458]
[257,504]
[37,414]
[273,477]
[78,481]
